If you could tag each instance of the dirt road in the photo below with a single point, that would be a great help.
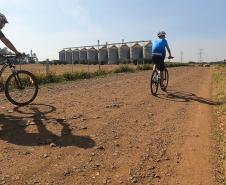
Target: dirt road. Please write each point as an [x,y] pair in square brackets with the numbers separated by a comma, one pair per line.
[112,131]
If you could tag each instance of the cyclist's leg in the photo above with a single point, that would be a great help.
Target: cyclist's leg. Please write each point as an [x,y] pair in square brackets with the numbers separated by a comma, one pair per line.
[161,68]
[155,60]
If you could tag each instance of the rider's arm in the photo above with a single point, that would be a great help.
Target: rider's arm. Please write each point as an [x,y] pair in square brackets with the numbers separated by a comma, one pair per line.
[9,44]
[168,49]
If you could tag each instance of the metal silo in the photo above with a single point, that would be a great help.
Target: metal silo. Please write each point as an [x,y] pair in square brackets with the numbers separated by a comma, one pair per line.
[147,50]
[83,56]
[75,56]
[136,52]
[68,56]
[124,54]
[62,55]
[103,55]
[92,56]
[113,55]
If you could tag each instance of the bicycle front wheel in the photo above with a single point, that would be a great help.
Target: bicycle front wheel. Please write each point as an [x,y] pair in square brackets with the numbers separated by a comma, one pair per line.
[154,82]
[21,88]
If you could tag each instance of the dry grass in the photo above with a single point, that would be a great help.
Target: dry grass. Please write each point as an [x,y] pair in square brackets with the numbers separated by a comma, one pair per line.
[60,69]
[219,93]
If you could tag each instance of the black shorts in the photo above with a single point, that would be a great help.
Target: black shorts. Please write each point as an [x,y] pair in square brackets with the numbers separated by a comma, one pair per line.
[159,62]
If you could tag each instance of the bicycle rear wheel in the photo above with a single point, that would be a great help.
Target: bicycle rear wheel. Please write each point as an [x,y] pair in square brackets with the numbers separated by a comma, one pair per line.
[165,79]
[154,82]
[21,88]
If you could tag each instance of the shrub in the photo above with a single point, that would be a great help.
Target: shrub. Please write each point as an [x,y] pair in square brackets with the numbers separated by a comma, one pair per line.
[144,67]
[100,73]
[49,78]
[76,76]
[176,64]
[124,69]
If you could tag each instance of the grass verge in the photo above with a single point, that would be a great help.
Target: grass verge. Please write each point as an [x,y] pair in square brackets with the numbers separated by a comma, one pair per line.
[219,94]
[124,68]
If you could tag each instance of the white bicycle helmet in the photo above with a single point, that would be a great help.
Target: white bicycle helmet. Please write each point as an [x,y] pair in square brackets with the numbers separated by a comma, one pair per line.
[3,18]
[161,33]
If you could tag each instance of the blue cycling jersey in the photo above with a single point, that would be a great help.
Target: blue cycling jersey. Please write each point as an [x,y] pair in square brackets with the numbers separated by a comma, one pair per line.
[159,47]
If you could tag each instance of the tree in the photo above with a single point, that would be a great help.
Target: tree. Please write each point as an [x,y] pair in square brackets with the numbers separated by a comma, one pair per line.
[5,51]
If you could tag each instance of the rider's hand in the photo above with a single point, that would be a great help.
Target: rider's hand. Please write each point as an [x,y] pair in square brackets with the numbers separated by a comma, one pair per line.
[170,57]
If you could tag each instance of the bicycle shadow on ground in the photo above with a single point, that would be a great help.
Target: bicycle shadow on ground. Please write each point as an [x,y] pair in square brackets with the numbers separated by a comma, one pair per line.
[13,129]
[183,96]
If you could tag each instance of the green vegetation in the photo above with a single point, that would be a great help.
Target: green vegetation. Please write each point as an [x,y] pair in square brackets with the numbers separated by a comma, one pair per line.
[76,76]
[176,64]
[100,73]
[71,76]
[219,93]
[124,69]
[144,67]
[49,78]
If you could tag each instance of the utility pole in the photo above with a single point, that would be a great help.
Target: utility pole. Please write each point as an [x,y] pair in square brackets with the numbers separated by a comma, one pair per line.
[200,53]
[98,43]
[181,56]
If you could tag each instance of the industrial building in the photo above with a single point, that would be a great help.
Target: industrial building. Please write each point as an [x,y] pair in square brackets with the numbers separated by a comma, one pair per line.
[113,53]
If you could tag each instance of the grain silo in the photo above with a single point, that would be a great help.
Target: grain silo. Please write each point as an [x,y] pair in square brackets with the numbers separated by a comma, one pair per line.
[103,55]
[136,52]
[62,55]
[92,56]
[83,56]
[113,55]
[75,56]
[124,54]
[68,56]
[147,51]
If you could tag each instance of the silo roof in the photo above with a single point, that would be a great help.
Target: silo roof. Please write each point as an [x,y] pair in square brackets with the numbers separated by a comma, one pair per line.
[113,46]
[124,45]
[149,43]
[136,45]
[92,48]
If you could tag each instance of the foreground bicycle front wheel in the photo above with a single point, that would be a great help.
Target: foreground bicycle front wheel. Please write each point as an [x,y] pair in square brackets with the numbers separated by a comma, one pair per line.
[165,79]
[21,88]
[154,82]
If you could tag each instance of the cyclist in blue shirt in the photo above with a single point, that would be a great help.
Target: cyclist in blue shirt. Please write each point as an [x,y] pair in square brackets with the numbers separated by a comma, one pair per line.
[3,21]
[159,47]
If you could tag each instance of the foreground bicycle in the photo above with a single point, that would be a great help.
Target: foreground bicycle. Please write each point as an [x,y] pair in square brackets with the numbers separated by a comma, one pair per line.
[155,80]
[21,87]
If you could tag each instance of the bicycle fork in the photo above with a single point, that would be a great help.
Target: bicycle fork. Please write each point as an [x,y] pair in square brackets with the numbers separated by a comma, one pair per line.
[17,79]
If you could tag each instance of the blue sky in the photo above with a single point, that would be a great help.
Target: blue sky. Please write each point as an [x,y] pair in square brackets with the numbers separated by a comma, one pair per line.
[47,26]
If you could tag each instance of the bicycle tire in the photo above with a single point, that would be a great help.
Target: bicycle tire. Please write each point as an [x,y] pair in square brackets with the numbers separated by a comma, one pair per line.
[28,83]
[154,82]
[165,80]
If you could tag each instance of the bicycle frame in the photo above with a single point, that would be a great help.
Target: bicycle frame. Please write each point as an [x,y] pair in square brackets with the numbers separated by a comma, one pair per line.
[9,64]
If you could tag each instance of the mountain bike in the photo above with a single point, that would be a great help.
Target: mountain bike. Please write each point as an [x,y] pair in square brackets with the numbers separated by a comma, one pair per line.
[155,80]
[21,87]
